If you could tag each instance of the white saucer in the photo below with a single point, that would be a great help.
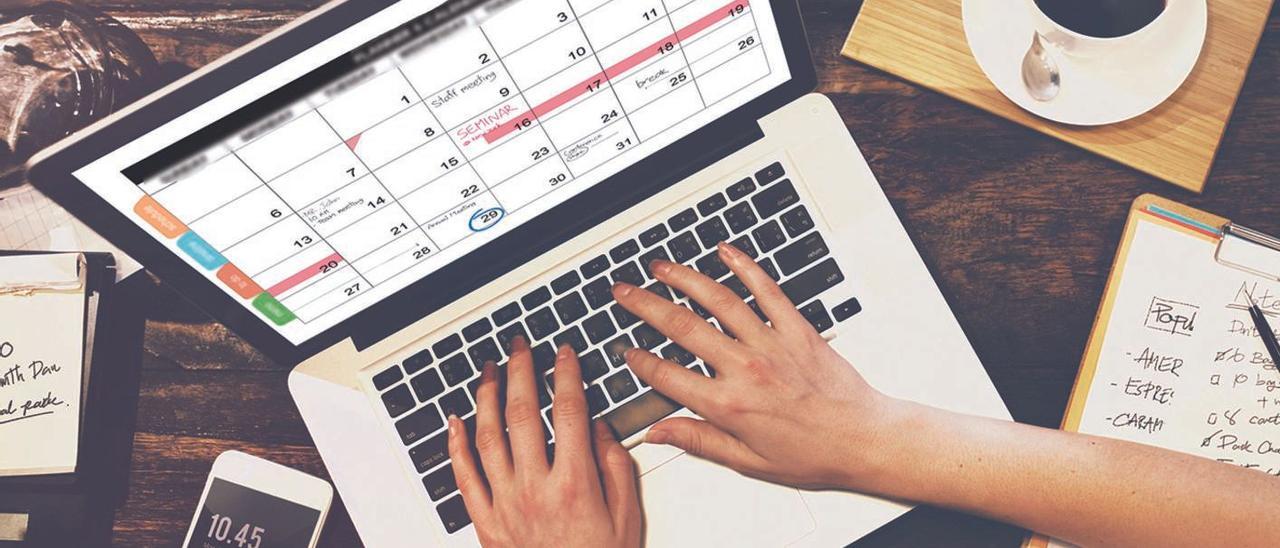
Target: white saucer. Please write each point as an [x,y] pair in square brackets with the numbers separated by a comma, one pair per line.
[1094,91]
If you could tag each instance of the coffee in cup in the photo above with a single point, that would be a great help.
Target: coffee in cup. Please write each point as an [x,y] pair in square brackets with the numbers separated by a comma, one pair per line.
[1103,18]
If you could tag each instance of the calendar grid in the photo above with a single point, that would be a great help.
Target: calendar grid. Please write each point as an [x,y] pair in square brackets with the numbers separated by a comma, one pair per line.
[596,55]
[680,45]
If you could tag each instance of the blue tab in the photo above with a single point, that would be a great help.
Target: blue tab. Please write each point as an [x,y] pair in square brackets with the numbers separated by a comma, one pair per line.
[201,251]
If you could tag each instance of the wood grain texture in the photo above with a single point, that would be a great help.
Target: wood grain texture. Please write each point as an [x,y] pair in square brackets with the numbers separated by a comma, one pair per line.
[1019,229]
[923,41]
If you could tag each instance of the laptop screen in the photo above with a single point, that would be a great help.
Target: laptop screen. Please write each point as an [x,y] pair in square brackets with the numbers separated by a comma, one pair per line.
[384,153]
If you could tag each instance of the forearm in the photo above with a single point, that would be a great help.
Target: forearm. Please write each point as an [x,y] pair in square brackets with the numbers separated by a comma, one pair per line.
[1084,489]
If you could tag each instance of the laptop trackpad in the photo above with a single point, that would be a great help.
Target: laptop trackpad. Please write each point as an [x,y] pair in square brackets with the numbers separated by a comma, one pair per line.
[692,502]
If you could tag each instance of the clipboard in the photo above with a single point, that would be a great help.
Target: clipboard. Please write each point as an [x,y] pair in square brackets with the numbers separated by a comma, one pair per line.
[1249,253]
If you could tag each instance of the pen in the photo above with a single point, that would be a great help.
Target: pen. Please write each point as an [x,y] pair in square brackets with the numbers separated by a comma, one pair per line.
[1264,331]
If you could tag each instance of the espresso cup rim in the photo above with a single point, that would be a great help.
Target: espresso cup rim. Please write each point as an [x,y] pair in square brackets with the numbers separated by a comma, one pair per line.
[1079,35]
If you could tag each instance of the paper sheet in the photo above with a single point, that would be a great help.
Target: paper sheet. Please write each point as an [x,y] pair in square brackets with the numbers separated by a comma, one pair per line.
[1181,365]
[41,366]
[30,221]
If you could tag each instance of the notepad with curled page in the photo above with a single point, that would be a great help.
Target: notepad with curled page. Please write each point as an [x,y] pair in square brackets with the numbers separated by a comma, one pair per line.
[43,307]
[1174,360]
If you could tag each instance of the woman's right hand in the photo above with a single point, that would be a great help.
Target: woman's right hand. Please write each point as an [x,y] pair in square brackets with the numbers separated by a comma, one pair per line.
[783,406]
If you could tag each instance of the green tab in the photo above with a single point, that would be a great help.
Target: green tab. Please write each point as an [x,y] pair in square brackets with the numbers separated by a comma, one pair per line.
[272,309]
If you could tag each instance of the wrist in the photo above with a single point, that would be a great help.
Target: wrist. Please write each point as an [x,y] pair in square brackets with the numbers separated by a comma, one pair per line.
[891,453]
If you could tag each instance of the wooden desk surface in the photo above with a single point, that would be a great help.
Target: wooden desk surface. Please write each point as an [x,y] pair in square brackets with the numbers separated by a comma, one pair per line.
[1018,228]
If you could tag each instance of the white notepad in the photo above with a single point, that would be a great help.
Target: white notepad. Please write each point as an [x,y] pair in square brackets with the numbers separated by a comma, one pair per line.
[42,323]
[1174,360]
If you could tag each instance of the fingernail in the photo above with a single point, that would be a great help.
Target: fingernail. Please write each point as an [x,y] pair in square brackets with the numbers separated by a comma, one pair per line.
[623,289]
[454,425]
[564,352]
[660,267]
[630,354]
[729,251]
[657,437]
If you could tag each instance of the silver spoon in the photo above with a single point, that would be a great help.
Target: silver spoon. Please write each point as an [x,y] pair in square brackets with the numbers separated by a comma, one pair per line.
[1040,72]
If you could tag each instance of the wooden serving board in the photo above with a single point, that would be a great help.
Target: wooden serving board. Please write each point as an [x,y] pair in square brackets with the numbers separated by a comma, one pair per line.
[923,41]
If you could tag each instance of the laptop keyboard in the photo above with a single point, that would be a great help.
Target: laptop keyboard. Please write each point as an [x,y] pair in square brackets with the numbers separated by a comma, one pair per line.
[761,215]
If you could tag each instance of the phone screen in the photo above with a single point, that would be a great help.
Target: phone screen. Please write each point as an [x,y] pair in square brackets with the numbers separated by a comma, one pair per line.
[239,517]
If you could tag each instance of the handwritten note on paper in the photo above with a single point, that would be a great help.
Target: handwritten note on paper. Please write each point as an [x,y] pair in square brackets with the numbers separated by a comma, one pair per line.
[41,349]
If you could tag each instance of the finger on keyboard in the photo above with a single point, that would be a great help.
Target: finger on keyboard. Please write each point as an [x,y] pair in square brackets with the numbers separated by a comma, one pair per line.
[491,438]
[681,324]
[673,381]
[524,422]
[772,301]
[569,411]
[716,298]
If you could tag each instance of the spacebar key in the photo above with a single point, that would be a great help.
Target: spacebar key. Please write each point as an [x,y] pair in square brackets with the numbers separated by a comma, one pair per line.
[639,414]
[813,282]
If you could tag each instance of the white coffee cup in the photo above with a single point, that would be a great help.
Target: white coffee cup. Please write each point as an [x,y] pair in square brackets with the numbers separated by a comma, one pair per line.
[1080,45]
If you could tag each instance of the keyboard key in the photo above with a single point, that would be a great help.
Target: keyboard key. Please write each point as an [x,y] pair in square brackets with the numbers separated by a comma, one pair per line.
[771,173]
[623,316]
[456,403]
[616,350]
[797,221]
[599,292]
[655,254]
[772,201]
[769,236]
[816,313]
[647,337]
[565,283]
[712,266]
[847,309]
[711,205]
[420,424]
[621,385]
[741,189]
[571,308]
[449,345]
[744,245]
[594,366]
[427,385]
[483,352]
[418,362]
[683,220]
[398,401]
[572,337]
[741,218]
[624,251]
[661,290]
[456,369]
[428,454]
[769,268]
[453,514]
[654,236]
[813,282]
[544,357]
[737,286]
[440,483]
[507,314]
[596,401]
[476,330]
[628,273]
[542,324]
[595,267]
[802,253]
[536,298]
[677,354]
[599,327]
[385,379]
[712,233]
[509,333]
[684,248]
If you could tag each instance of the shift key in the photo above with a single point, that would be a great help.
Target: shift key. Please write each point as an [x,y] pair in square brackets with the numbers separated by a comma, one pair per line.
[802,253]
[813,282]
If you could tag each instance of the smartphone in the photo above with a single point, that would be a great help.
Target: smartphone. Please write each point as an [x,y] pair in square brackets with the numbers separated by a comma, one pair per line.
[253,503]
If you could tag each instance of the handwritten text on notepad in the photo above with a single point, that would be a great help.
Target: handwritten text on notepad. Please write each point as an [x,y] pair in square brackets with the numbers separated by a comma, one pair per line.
[14,375]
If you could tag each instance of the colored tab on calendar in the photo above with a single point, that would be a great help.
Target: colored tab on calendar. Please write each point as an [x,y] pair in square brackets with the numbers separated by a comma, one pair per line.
[238,281]
[159,218]
[200,250]
[273,310]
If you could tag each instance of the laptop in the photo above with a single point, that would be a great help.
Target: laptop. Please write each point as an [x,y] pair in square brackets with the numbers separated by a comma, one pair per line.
[383,194]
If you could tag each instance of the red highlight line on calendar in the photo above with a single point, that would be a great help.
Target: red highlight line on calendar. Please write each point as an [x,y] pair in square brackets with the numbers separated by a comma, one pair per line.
[325,265]
[620,68]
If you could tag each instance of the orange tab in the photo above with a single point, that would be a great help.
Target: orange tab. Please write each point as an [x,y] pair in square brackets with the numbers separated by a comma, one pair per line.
[238,282]
[159,217]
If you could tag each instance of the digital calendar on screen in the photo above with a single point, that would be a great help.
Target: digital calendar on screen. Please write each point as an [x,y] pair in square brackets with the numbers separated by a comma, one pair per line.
[311,199]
